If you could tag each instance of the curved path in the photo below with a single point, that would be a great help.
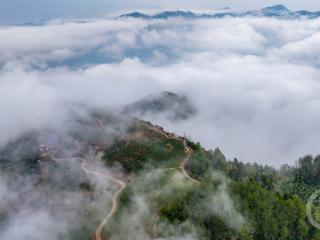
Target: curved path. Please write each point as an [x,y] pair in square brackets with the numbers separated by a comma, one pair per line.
[115,199]
[183,167]
[188,150]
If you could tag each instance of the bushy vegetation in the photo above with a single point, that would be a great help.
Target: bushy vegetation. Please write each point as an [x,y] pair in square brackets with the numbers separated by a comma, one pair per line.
[147,153]
[198,165]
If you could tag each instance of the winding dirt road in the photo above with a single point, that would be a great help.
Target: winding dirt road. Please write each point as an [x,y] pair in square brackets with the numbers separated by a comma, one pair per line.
[183,168]
[188,150]
[115,199]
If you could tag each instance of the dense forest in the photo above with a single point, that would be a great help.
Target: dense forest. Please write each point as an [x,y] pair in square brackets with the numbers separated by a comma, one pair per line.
[232,200]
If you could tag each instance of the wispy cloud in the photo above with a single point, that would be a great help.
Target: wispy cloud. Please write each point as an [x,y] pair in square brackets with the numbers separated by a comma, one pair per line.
[253,80]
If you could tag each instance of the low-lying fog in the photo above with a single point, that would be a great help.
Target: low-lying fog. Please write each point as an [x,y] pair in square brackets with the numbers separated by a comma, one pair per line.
[254,81]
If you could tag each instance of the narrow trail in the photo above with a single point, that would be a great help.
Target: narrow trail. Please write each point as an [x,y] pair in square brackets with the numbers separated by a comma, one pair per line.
[188,150]
[115,199]
[183,168]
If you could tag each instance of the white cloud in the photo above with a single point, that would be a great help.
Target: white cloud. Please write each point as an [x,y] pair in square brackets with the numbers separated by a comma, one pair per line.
[254,80]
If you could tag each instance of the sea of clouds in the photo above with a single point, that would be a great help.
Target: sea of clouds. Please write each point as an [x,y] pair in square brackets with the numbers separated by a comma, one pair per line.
[254,81]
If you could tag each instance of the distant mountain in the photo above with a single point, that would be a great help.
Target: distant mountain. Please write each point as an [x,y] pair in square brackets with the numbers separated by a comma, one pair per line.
[278,11]
[170,105]
[304,13]
[35,23]
[164,15]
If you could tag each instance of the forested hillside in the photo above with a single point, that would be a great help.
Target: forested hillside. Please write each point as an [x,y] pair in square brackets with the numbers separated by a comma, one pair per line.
[175,189]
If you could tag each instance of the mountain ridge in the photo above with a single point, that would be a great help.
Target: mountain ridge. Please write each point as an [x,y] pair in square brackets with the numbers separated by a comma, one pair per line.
[278,11]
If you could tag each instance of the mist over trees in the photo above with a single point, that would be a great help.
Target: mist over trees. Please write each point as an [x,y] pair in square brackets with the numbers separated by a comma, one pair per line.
[171,127]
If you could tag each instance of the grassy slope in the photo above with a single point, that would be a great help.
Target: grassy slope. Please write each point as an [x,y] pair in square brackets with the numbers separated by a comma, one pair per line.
[149,150]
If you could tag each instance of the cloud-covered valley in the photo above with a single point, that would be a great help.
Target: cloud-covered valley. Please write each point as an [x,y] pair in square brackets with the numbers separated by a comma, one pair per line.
[254,81]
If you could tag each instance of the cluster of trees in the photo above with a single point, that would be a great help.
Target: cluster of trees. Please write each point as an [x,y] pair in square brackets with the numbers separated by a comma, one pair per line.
[146,154]
[273,199]
[308,170]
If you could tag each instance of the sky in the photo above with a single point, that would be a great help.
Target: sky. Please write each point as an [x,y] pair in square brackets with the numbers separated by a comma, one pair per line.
[19,11]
